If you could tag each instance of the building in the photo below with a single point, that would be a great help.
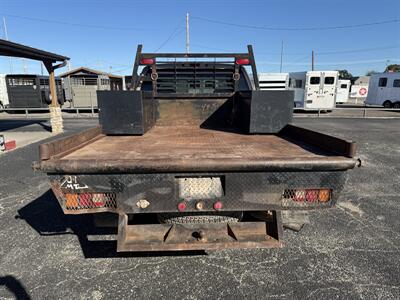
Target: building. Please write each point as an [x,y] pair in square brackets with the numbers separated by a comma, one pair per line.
[81,86]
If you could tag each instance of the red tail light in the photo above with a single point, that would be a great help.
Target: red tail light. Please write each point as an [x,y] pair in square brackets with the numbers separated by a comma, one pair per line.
[147,61]
[312,195]
[242,61]
[85,200]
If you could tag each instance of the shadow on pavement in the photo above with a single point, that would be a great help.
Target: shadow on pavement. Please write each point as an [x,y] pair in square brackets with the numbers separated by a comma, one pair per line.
[6,125]
[46,217]
[14,286]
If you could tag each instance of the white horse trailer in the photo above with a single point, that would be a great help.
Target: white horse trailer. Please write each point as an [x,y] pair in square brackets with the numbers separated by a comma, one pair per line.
[4,102]
[273,81]
[384,90]
[314,90]
[343,91]
[359,90]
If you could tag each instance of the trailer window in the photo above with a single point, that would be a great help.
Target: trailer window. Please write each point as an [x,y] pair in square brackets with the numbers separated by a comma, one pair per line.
[104,81]
[329,80]
[396,83]
[21,81]
[343,86]
[83,81]
[383,81]
[44,81]
[315,80]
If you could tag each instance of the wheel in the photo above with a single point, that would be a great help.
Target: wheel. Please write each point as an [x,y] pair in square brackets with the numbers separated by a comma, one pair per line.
[60,101]
[387,104]
[396,105]
[206,217]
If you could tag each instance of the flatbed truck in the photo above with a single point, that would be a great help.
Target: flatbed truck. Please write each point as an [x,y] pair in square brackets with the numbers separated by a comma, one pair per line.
[194,158]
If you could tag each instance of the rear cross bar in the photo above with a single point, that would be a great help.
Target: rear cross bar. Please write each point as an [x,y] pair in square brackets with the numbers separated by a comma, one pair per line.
[236,56]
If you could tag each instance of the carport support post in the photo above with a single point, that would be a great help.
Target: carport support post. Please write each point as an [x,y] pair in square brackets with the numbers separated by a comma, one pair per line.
[56,120]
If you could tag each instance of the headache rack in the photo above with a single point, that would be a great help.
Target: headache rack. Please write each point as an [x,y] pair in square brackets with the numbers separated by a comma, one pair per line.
[192,74]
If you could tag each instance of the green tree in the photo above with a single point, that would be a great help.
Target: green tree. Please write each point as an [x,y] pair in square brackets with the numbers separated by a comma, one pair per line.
[370,72]
[393,68]
[344,74]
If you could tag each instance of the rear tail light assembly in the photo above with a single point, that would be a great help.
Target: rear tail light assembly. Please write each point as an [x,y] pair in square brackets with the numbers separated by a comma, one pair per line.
[308,196]
[89,200]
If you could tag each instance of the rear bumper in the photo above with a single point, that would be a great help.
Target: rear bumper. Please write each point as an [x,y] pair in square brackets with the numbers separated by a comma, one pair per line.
[255,191]
[249,192]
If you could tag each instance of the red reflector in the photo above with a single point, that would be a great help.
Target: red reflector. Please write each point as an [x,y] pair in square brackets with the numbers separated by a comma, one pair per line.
[10,145]
[182,206]
[146,61]
[312,195]
[242,61]
[217,205]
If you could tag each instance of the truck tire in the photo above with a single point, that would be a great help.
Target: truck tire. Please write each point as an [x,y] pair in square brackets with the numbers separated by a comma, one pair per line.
[387,104]
[396,105]
[202,218]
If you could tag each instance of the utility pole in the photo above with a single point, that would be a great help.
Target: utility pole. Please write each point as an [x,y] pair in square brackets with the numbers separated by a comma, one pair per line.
[187,34]
[280,70]
[24,66]
[6,36]
[312,60]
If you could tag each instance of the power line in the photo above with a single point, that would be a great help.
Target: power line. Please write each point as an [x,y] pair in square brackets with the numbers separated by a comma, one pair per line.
[297,28]
[358,50]
[316,52]
[352,62]
[77,24]
[174,33]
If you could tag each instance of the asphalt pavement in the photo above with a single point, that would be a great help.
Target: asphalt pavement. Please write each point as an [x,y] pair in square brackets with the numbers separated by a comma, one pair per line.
[351,251]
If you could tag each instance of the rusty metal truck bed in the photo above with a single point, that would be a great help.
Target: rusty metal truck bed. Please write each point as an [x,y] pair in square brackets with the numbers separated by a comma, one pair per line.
[188,149]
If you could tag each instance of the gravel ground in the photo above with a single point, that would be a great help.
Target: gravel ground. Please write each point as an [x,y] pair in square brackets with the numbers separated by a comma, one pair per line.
[351,251]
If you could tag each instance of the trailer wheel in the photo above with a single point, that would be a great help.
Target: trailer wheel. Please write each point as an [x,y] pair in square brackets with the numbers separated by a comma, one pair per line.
[387,104]
[396,105]
[207,217]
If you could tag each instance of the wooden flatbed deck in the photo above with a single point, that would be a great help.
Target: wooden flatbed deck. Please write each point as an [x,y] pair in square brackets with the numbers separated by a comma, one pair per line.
[194,149]
[176,143]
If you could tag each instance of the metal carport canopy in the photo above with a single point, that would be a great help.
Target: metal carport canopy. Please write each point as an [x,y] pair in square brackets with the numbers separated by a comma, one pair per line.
[8,48]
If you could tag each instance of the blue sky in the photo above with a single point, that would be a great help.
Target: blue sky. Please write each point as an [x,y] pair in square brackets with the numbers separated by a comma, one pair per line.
[104,34]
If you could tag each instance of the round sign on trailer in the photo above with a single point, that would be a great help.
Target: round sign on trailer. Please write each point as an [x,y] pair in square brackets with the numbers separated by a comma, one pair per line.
[362,91]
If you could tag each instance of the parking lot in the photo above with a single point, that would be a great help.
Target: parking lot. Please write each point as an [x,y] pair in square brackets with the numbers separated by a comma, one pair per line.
[351,251]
